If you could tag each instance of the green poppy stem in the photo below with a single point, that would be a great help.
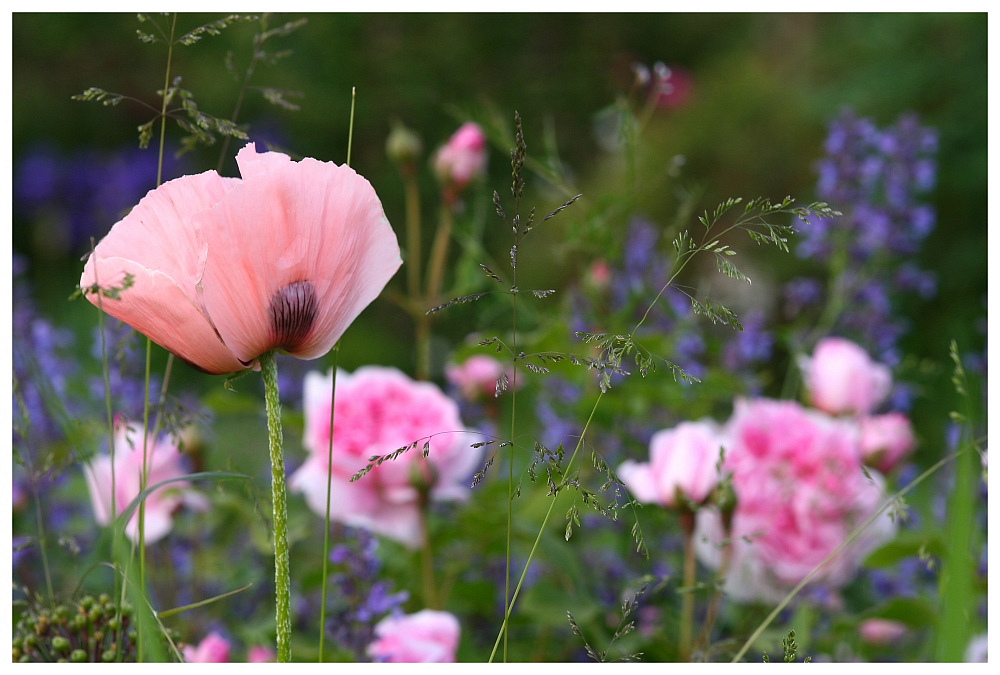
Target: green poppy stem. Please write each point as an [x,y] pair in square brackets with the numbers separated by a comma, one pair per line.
[282,577]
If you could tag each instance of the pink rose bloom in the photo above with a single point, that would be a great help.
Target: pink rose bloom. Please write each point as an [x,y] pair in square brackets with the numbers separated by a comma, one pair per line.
[879,631]
[226,269]
[477,376]
[682,467]
[379,410]
[462,159]
[886,440]
[841,378]
[164,461]
[213,649]
[800,491]
[425,637]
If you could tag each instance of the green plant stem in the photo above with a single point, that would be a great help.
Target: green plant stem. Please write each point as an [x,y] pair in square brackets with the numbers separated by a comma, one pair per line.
[282,576]
[541,530]
[431,600]
[687,592]
[329,490]
[435,279]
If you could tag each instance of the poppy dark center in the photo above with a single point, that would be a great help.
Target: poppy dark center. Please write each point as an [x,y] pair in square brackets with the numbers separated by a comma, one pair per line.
[293,311]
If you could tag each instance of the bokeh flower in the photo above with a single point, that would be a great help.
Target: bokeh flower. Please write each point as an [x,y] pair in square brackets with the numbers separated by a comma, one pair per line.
[683,468]
[212,649]
[429,636]
[477,376]
[461,160]
[886,440]
[377,411]
[226,269]
[800,492]
[879,631]
[841,378]
[164,462]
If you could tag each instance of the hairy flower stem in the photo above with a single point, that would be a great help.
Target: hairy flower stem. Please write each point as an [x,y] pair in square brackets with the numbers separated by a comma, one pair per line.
[282,577]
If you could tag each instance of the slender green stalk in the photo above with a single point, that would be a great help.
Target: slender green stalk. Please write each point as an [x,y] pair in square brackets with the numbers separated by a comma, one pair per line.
[541,530]
[687,591]
[427,553]
[282,576]
[329,490]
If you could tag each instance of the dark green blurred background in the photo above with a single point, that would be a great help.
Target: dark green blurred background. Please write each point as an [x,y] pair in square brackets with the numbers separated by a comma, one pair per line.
[764,88]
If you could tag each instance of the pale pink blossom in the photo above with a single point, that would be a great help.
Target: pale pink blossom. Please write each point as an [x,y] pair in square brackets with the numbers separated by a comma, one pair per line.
[379,410]
[462,159]
[212,649]
[164,462]
[260,654]
[841,378]
[886,440]
[683,467]
[428,636]
[879,631]
[226,269]
[477,376]
[800,492]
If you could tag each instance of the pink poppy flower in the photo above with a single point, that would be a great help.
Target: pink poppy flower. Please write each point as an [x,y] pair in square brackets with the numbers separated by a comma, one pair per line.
[377,411]
[226,269]
[682,469]
[213,649]
[841,378]
[428,636]
[886,440]
[260,654]
[462,159]
[164,461]
[800,492]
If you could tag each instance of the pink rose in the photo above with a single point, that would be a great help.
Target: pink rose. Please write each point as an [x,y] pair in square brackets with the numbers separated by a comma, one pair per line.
[841,378]
[879,631]
[461,160]
[164,461]
[425,637]
[886,440]
[800,492]
[682,467]
[213,649]
[477,376]
[379,410]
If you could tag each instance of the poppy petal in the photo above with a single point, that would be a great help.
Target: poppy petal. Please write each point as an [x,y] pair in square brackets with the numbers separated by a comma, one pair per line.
[295,252]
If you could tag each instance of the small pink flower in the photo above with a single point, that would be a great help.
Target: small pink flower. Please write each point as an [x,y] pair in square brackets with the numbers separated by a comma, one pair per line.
[164,461]
[477,376]
[880,631]
[683,466]
[377,411]
[425,637]
[886,440]
[461,160]
[226,269]
[213,649]
[841,378]
[260,654]
[670,87]
[800,492]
